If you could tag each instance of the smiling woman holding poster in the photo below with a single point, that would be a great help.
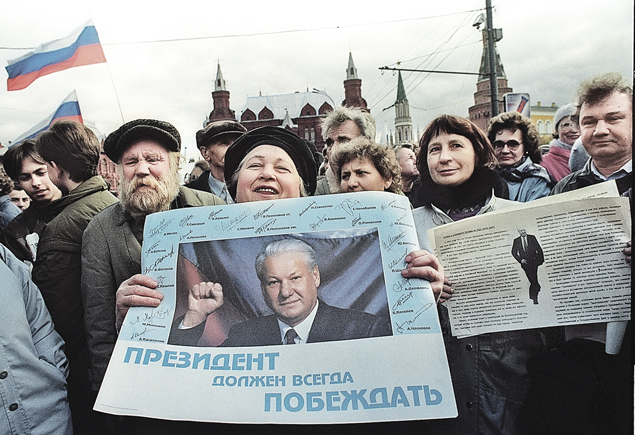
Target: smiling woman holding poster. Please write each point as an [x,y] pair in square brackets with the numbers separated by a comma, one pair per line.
[488,371]
[269,164]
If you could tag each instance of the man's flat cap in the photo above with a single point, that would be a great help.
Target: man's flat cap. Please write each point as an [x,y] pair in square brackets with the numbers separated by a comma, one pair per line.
[301,154]
[141,129]
[217,130]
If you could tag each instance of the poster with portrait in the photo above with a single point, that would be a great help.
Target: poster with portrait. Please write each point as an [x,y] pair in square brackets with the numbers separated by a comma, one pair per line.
[368,347]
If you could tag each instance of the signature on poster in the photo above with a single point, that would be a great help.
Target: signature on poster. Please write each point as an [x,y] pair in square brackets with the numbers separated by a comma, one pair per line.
[402,300]
[347,206]
[392,241]
[401,327]
[159,228]
[158,261]
[154,314]
[396,261]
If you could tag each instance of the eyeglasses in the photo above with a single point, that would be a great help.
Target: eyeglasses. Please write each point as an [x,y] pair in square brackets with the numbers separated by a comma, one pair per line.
[568,125]
[511,144]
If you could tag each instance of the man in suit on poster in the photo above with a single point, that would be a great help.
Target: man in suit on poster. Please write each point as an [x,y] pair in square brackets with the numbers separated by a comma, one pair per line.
[289,279]
[528,253]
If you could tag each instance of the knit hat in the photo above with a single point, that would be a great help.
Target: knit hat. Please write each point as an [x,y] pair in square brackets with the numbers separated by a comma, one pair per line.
[562,113]
[291,143]
[141,129]
[217,130]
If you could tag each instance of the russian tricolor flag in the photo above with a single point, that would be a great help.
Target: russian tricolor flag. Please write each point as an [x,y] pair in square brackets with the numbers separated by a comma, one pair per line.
[82,47]
[69,109]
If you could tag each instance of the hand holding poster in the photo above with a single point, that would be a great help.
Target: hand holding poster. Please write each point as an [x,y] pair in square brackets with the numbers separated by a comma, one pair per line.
[374,350]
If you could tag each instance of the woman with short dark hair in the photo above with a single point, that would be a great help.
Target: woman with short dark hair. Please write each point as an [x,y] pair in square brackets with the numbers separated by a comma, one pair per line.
[488,371]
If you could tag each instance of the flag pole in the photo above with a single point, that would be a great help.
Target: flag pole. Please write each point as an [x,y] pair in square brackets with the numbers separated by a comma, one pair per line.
[116,94]
[112,80]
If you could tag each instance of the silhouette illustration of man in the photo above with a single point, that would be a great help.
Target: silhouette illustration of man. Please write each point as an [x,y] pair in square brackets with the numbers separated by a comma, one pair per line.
[528,253]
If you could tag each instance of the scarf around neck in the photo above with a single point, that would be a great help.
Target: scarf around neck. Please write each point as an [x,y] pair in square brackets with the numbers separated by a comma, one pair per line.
[469,195]
[517,174]
[559,144]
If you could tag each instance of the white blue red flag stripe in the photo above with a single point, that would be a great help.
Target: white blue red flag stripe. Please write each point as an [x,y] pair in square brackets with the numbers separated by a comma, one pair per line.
[82,47]
[69,109]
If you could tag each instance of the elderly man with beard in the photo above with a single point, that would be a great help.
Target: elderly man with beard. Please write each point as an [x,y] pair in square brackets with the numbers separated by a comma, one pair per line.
[147,153]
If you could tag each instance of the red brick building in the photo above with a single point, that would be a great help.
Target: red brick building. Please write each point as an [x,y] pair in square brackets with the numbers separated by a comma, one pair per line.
[300,112]
[108,170]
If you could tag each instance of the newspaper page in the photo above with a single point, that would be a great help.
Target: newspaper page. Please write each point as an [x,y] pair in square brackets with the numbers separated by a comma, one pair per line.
[346,372]
[569,269]
[600,190]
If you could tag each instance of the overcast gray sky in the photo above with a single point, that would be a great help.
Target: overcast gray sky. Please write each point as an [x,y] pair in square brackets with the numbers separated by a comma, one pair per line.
[278,47]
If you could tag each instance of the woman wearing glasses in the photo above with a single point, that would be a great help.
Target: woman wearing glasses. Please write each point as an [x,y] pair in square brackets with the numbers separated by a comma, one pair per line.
[515,142]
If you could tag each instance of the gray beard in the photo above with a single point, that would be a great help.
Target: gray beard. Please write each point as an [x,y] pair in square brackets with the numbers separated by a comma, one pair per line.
[157,197]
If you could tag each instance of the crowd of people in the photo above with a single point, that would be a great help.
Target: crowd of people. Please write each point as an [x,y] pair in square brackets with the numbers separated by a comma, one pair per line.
[71,258]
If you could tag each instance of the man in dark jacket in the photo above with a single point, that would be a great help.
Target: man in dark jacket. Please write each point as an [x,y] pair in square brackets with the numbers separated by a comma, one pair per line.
[26,167]
[289,279]
[580,389]
[213,141]
[71,152]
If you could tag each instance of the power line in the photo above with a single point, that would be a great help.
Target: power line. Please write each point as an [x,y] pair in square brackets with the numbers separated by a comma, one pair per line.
[428,60]
[451,49]
[429,71]
[278,32]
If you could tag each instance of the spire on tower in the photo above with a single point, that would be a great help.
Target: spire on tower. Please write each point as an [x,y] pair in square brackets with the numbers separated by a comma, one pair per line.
[483,72]
[351,71]
[401,91]
[353,87]
[403,121]
[220,81]
[481,112]
[220,95]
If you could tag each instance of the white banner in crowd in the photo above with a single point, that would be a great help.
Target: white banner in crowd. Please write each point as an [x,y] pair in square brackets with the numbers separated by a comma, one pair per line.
[360,242]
